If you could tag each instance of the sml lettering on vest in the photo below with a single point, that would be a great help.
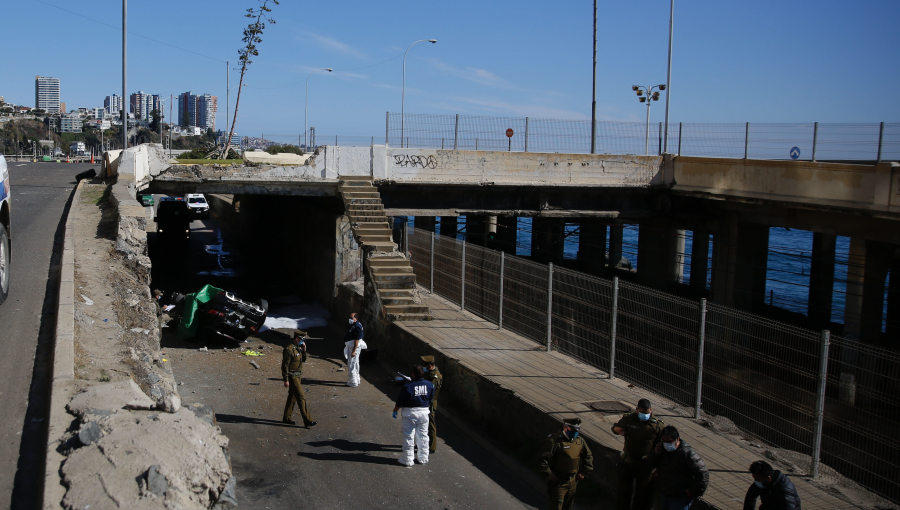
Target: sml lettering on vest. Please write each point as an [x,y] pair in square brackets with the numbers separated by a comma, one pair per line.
[421,390]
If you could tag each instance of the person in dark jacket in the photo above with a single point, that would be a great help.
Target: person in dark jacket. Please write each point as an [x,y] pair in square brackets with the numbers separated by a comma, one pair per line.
[680,474]
[774,488]
[414,401]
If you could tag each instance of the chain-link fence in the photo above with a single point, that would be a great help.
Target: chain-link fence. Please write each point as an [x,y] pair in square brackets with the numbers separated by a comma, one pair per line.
[809,141]
[820,396]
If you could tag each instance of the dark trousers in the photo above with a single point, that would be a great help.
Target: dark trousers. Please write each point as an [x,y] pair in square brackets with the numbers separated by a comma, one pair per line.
[562,492]
[643,491]
[432,429]
[295,395]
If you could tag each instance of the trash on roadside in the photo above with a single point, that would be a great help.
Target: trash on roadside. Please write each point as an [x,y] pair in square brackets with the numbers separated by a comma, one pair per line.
[253,353]
[88,301]
[254,364]
[203,349]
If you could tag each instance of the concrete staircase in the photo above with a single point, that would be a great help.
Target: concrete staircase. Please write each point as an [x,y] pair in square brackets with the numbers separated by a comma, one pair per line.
[389,270]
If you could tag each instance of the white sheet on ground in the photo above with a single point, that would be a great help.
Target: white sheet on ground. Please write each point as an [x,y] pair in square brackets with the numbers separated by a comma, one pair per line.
[300,316]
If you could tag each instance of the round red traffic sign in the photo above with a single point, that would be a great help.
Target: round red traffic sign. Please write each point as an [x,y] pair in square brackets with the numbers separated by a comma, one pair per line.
[509,133]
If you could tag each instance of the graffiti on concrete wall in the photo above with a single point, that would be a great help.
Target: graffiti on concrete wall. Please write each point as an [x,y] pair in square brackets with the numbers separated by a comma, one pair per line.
[407,160]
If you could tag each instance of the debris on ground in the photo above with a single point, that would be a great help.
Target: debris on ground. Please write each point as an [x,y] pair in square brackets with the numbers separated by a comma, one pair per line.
[254,364]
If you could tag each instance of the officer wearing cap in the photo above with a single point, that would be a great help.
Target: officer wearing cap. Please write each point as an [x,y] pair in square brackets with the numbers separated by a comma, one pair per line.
[565,459]
[434,375]
[642,432]
[292,360]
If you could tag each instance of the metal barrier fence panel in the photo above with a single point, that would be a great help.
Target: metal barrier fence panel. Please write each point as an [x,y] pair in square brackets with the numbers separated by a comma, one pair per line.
[447,268]
[582,307]
[420,256]
[657,341]
[761,374]
[862,409]
[525,298]
[483,282]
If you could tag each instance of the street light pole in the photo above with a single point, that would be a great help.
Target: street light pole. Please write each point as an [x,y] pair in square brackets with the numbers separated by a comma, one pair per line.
[227,92]
[669,76]
[594,90]
[651,96]
[403,92]
[306,107]
[124,74]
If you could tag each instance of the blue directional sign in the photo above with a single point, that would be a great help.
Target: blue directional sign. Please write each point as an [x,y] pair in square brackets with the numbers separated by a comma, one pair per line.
[795,152]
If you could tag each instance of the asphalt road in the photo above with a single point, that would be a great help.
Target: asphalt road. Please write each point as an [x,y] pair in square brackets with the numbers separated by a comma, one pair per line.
[40,194]
[348,460]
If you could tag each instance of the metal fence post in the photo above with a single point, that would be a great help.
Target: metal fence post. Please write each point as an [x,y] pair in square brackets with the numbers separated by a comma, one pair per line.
[702,337]
[387,127]
[549,303]
[880,139]
[612,327]
[502,264]
[431,278]
[815,139]
[456,133]
[746,140]
[462,293]
[679,138]
[660,138]
[526,136]
[820,403]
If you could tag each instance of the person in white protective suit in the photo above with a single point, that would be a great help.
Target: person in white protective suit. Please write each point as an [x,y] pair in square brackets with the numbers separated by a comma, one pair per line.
[413,402]
[353,346]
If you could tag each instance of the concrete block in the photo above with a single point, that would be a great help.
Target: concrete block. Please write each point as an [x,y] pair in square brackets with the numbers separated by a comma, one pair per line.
[90,433]
[157,482]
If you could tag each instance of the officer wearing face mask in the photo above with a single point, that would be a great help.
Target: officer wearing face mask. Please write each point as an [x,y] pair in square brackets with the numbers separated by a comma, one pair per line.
[565,460]
[642,432]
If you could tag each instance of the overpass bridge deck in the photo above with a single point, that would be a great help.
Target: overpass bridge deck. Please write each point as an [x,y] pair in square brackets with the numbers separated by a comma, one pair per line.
[559,386]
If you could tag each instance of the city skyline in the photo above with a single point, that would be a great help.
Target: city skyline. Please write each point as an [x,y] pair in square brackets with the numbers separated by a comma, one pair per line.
[803,62]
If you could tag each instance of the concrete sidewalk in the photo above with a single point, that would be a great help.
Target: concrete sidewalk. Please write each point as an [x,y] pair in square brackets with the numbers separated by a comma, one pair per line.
[560,386]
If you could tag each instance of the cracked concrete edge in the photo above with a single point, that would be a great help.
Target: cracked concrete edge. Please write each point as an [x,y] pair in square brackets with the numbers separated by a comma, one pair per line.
[63,376]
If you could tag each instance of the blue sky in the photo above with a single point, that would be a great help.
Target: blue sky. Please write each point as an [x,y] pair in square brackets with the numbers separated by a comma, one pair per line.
[762,61]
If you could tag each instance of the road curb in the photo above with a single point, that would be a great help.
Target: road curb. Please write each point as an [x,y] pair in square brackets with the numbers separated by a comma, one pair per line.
[63,376]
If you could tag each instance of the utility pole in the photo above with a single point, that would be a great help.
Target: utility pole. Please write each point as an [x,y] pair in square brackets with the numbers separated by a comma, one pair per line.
[594,90]
[227,92]
[668,77]
[124,73]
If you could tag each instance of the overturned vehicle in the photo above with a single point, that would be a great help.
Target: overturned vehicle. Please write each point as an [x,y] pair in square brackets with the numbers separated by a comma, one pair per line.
[214,313]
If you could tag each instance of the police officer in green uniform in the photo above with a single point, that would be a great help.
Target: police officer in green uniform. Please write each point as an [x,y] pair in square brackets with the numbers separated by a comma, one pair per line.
[291,367]
[434,375]
[565,460]
[642,432]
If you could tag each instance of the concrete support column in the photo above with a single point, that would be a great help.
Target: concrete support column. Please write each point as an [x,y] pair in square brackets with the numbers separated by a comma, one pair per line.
[675,255]
[856,272]
[425,223]
[821,279]
[615,244]
[723,264]
[699,259]
[506,236]
[878,264]
[449,226]
[752,262]
[892,333]
[547,239]
[591,245]
[652,256]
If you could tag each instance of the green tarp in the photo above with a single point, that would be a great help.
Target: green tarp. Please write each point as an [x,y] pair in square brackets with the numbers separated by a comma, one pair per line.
[189,324]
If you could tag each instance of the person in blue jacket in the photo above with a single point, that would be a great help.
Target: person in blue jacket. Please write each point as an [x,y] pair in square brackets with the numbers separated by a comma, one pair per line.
[414,401]
[774,488]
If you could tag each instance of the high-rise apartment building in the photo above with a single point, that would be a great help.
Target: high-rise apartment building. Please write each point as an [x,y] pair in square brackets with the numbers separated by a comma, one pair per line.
[113,105]
[142,104]
[46,94]
[199,111]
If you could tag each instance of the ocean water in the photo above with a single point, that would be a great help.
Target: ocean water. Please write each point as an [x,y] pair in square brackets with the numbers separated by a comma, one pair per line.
[787,273]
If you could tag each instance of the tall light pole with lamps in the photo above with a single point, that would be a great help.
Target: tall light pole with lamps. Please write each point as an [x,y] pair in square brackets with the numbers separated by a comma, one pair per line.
[403,93]
[651,95]
[306,107]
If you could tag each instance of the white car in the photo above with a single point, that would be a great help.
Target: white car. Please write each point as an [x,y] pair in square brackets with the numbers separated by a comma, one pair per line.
[4,230]
[197,205]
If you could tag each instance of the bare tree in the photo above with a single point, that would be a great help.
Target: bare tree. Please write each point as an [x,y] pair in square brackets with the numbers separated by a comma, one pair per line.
[251,37]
